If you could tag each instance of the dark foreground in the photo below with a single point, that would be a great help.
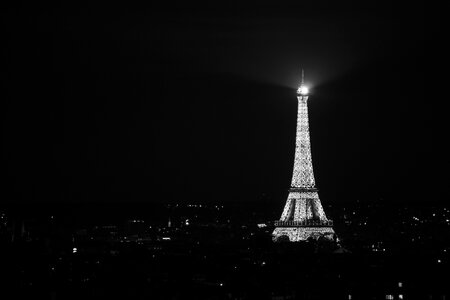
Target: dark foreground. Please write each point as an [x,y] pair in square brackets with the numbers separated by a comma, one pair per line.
[206,253]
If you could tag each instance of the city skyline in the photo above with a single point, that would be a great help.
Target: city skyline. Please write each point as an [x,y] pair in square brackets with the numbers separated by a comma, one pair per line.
[166,151]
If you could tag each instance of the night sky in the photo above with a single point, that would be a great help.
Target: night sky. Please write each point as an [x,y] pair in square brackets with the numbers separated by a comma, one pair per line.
[196,102]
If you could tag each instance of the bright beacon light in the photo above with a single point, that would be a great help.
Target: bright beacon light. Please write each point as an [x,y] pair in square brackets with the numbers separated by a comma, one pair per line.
[303,90]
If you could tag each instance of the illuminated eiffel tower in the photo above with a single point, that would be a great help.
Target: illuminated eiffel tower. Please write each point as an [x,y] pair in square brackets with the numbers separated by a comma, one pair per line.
[303,215]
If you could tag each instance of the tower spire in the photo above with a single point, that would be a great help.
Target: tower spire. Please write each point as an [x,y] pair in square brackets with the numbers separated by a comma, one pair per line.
[303,215]
[303,89]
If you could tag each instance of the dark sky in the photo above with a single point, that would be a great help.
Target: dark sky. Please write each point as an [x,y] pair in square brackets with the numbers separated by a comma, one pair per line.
[196,102]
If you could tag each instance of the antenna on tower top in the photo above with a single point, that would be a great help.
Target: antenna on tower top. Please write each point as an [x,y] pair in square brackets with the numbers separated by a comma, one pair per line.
[302,89]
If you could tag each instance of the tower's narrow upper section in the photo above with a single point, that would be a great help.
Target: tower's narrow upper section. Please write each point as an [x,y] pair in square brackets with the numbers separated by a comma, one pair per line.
[303,175]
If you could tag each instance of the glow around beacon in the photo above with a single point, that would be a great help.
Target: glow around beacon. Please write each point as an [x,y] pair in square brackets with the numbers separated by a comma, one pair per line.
[303,90]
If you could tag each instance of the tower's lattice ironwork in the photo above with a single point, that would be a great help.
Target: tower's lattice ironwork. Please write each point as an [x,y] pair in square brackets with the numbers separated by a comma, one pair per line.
[303,215]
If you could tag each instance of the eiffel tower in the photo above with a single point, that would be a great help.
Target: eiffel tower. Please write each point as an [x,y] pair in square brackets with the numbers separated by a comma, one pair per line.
[303,215]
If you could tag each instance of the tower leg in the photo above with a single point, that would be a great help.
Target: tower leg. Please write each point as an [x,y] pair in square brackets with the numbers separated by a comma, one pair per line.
[288,210]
